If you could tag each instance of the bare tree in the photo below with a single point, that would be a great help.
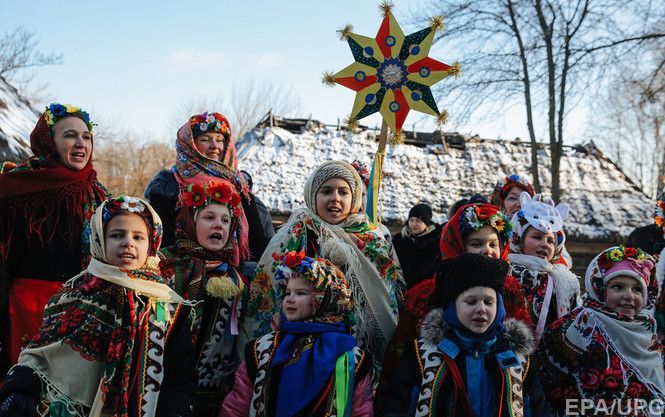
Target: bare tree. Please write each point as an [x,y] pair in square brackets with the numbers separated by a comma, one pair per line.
[632,129]
[546,54]
[245,105]
[18,52]
[125,165]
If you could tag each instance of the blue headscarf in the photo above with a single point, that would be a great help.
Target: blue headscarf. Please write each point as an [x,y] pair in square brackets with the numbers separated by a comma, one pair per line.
[314,365]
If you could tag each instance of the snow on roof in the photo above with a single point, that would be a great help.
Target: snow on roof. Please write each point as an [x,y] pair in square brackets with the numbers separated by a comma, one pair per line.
[17,119]
[604,204]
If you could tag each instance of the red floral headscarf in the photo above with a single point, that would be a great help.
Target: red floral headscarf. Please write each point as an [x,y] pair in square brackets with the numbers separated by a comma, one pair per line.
[193,168]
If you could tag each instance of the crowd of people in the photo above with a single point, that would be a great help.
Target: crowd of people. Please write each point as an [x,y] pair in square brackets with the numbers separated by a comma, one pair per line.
[186,302]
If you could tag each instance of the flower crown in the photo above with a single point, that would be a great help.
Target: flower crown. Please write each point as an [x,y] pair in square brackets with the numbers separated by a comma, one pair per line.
[130,204]
[512,179]
[295,263]
[56,111]
[618,254]
[215,192]
[475,217]
[209,122]
[659,212]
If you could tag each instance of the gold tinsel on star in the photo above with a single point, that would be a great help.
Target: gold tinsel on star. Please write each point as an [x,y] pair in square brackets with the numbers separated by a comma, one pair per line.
[455,69]
[442,119]
[351,124]
[328,79]
[344,31]
[397,138]
[436,23]
[386,7]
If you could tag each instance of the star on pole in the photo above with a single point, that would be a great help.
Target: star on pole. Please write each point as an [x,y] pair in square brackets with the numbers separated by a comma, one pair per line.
[392,73]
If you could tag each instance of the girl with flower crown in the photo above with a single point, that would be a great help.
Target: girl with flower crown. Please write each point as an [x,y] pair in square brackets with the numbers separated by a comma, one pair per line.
[537,243]
[46,204]
[606,351]
[311,366]
[202,266]
[115,340]
[331,227]
[205,151]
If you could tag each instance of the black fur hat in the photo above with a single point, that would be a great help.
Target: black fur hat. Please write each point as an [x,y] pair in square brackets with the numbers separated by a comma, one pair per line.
[466,271]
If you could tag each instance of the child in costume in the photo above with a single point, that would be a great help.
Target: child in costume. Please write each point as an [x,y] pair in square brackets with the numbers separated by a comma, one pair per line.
[331,227]
[468,360]
[476,228]
[551,289]
[115,340]
[607,350]
[311,366]
[202,267]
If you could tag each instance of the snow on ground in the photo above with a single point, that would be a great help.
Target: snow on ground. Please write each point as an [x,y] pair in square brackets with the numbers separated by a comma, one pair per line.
[605,205]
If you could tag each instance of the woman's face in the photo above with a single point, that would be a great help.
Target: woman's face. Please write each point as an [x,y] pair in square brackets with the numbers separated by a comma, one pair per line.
[417,226]
[476,308]
[333,201]
[540,244]
[623,295]
[212,227]
[210,145]
[73,142]
[511,203]
[483,241]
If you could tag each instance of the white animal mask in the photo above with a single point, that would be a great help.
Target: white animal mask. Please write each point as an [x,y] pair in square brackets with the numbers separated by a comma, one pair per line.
[542,214]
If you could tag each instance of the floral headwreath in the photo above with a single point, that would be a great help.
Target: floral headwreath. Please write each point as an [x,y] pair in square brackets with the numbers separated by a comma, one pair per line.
[215,192]
[57,111]
[209,122]
[659,212]
[332,290]
[475,217]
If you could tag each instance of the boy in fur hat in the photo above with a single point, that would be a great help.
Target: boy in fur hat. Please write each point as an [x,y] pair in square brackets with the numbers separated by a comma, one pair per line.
[468,358]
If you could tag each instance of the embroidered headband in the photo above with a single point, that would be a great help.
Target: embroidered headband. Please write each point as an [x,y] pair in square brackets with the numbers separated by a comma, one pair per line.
[214,192]
[477,216]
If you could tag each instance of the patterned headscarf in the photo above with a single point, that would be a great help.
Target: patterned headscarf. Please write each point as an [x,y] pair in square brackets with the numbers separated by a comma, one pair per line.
[470,218]
[193,167]
[505,184]
[332,293]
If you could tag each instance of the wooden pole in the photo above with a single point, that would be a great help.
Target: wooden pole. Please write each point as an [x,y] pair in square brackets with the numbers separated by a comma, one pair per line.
[383,137]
